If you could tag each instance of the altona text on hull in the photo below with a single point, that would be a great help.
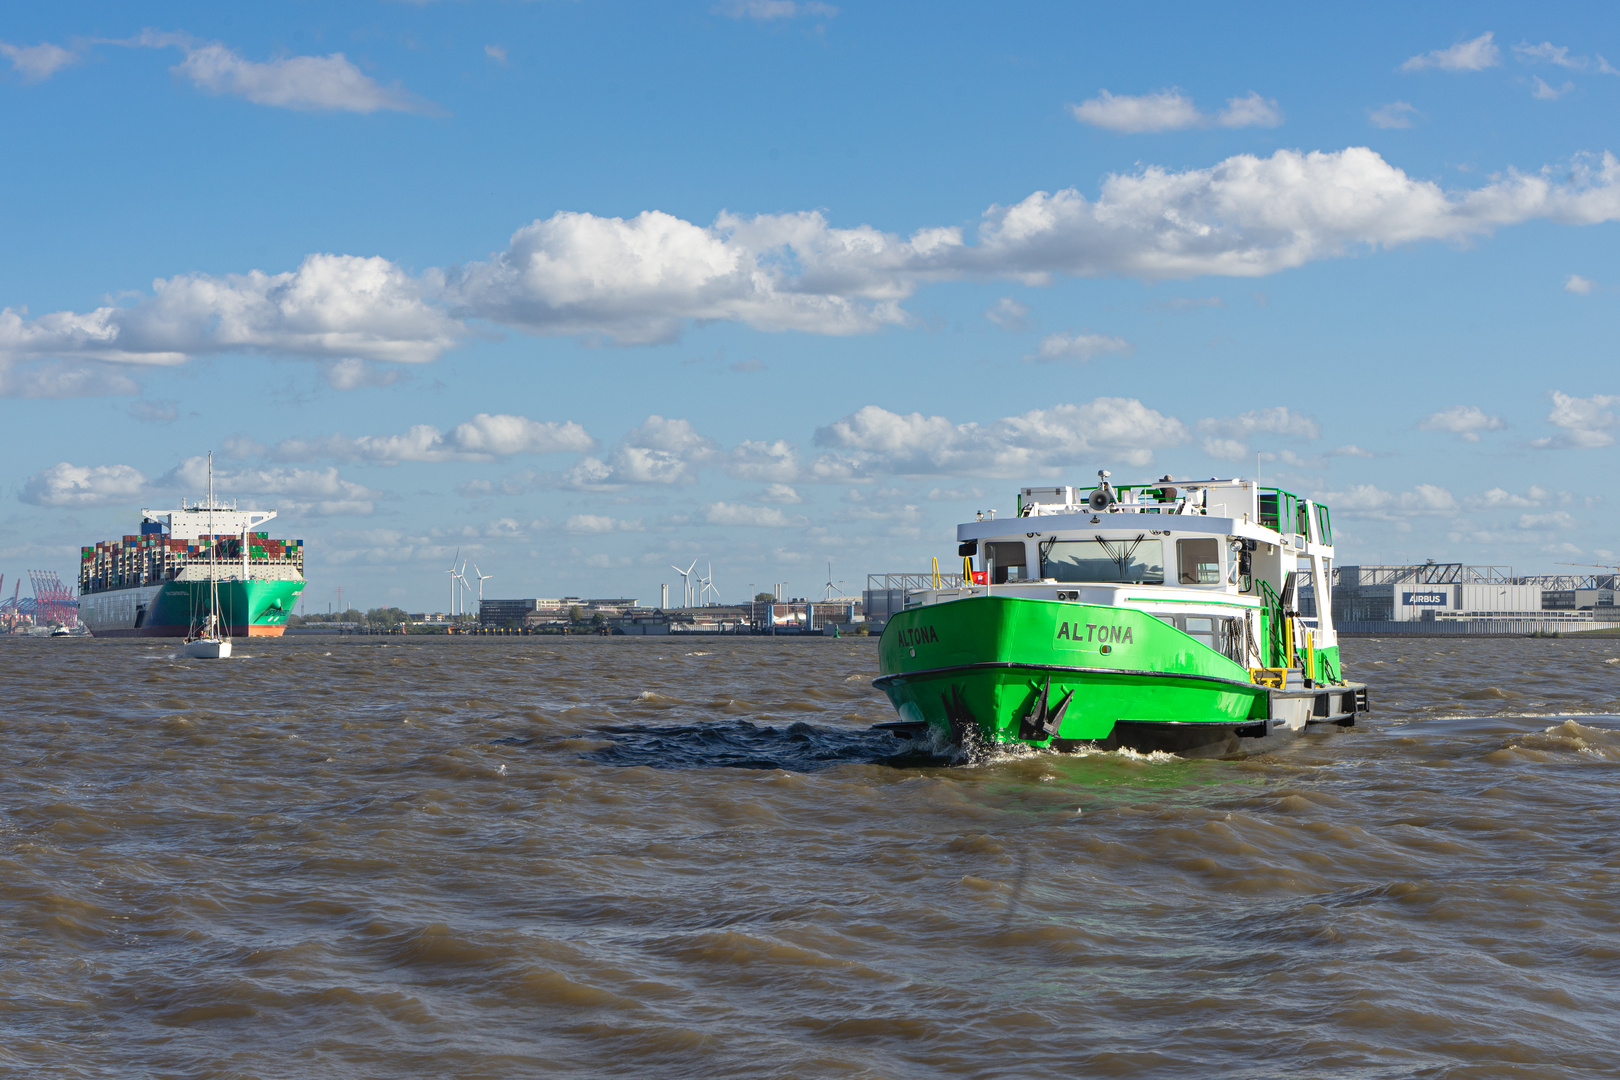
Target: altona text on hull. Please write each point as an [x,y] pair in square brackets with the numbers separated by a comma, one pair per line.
[1157,616]
[156,583]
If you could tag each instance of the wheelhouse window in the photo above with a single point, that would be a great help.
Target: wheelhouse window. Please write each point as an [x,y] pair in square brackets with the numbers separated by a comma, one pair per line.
[1007,561]
[1137,561]
[1200,561]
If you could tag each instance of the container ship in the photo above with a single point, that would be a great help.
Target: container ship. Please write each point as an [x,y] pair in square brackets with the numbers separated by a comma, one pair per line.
[156,583]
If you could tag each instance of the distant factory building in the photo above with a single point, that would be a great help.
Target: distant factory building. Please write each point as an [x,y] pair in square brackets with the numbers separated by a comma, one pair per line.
[514,614]
[1451,598]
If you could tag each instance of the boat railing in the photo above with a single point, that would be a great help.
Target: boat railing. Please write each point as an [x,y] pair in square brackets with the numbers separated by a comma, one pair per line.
[911,582]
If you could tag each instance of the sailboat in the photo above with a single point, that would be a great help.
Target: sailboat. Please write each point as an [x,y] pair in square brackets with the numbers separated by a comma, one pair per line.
[210,643]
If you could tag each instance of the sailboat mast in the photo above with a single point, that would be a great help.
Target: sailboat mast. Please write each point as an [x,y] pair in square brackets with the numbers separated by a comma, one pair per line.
[213,553]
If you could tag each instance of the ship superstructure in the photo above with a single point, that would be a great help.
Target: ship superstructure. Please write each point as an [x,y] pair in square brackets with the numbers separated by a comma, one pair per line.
[156,582]
[1155,616]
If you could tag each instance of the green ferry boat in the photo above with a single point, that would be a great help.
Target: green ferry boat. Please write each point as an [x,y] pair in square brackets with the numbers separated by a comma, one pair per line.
[1155,616]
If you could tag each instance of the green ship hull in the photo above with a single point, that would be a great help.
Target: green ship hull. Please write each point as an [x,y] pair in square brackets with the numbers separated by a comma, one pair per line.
[1010,670]
[251,608]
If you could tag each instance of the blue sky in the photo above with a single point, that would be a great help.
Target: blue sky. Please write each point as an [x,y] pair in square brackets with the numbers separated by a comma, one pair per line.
[585,289]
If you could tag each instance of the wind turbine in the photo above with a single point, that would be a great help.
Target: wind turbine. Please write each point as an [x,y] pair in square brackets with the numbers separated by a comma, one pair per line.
[829,581]
[708,588]
[461,576]
[482,577]
[452,573]
[686,582]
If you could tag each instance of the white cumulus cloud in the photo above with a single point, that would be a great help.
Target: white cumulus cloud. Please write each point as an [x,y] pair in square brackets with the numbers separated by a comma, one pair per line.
[1226,438]
[1465,421]
[639,280]
[874,441]
[1009,314]
[1227,449]
[305,83]
[1277,420]
[599,523]
[1587,423]
[1474,55]
[1548,53]
[781,494]
[1167,110]
[1501,498]
[722,513]
[69,485]
[767,10]
[659,451]
[1541,91]
[1172,110]
[483,438]
[643,279]
[352,373]
[1397,114]
[306,491]
[758,460]
[1079,347]
[1250,111]
[1578,285]
[1369,501]
[36,63]
[332,306]
[1249,216]
[298,490]
[59,380]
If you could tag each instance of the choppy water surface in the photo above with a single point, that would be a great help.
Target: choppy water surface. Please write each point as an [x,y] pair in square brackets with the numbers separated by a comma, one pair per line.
[644,857]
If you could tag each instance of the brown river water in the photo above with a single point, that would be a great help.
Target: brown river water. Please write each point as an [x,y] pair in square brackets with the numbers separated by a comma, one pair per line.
[643,857]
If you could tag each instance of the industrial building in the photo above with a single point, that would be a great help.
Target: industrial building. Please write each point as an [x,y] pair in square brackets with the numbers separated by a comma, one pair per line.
[517,614]
[624,615]
[1451,598]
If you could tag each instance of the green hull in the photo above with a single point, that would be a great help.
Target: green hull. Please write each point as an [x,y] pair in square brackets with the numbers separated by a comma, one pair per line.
[248,608]
[999,668]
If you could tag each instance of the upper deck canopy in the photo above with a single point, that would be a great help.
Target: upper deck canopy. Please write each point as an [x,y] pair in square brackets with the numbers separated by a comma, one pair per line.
[1215,506]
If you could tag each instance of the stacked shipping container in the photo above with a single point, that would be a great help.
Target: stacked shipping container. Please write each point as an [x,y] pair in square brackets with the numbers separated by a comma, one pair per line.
[152,558]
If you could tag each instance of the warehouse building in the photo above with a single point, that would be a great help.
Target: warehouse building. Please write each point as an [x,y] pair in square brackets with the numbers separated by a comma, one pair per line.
[1442,598]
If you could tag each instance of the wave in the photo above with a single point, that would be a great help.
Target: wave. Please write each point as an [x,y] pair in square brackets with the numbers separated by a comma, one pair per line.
[739,744]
